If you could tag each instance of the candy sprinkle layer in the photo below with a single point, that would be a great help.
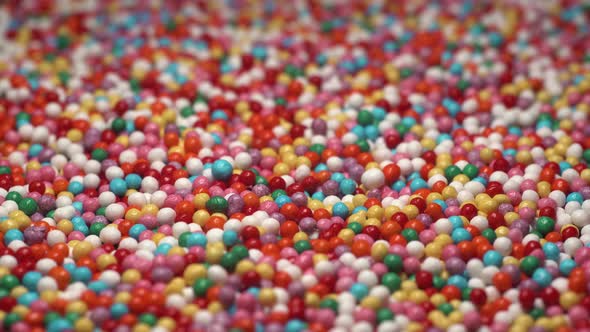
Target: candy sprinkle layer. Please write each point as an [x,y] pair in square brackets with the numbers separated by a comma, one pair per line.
[294,166]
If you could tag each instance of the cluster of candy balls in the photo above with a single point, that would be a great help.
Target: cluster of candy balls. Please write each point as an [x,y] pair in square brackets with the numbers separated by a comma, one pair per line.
[294,166]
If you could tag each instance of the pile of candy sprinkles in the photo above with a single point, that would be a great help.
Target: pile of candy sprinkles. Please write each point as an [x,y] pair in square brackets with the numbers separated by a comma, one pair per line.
[294,166]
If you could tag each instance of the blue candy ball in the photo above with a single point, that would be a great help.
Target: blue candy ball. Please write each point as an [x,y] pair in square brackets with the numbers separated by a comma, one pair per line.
[542,277]
[230,237]
[222,169]
[492,257]
[118,187]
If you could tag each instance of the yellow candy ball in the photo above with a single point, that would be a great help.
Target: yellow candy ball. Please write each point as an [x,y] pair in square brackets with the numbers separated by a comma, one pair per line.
[65,226]
[213,254]
[78,307]
[390,211]
[175,286]
[510,260]
[399,296]
[194,272]
[244,266]
[449,192]
[123,297]
[544,322]
[408,285]
[375,212]
[157,237]
[265,271]
[524,156]
[372,222]
[141,327]
[190,310]
[267,297]
[414,327]
[524,320]
[487,206]
[379,250]
[105,260]
[201,217]
[411,211]
[33,165]
[300,236]
[347,235]
[215,307]
[20,310]
[312,300]
[314,204]
[438,299]
[486,154]
[510,217]
[84,324]
[167,323]
[371,302]
[18,291]
[75,135]
[456,317]
[180,251]
[569,299]
[82,249]
[48,296]
[200,200]
[133,214]
[502,231]
[7,225]
[433,249]
[461,178]
[131,276]
[444,239]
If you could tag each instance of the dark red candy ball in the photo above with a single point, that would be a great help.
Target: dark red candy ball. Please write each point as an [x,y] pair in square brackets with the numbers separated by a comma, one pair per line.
[277,183]
[392,141]
[310,184]
[531,246]
[250,232]
[478,296]
[424,279]
[496,219]
[253,244]
[400,218]
[37,186]
[248,178]
[250,279]
[294,188]
[547,211]
[6,181]
[527,298]
[568,232]
[494,188]
[372,231]
[469,211]
[296,308]
[419,202]
[550,296]
[500,164]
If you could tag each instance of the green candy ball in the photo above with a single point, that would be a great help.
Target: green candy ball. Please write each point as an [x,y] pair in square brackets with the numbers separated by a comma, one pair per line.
[392,281]
[545,225]
[216,204]
[202,285]
[529,264]
[28,206]
[364,118]
[393,262]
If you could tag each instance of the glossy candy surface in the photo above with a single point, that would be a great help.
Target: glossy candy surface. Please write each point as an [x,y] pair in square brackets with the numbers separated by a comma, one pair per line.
[294,166]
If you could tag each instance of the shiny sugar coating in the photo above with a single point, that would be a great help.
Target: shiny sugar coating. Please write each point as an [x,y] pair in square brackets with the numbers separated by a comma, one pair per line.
[294,166]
